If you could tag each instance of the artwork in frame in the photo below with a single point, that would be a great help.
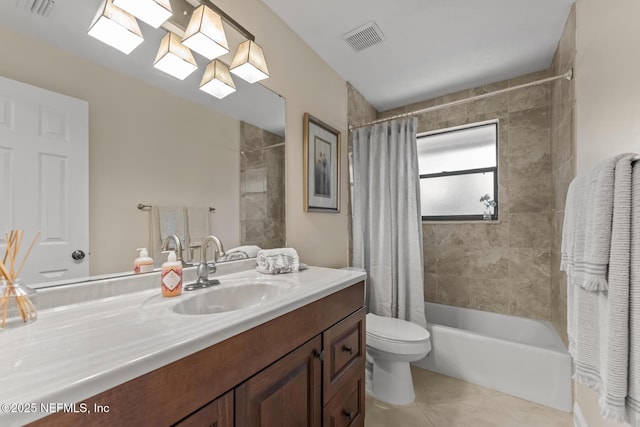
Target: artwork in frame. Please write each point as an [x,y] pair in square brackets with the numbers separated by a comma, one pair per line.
[321,166]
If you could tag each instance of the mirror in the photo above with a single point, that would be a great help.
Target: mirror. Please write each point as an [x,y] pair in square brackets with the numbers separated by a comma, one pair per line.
[153,139]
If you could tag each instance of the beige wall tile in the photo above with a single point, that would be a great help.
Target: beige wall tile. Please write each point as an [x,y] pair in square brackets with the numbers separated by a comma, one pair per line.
[529,148]
[359,110]
[453,289]
[430,287]
[565,147]
[530,230]
[530,97]
[529,190]
[530,299]
[488,263]
[534,118]
[491,295]
[530,265]
[430,255]
[452,259]
[557,219]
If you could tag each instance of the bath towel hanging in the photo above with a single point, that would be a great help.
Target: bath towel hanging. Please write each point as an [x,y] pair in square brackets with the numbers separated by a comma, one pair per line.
[604,323]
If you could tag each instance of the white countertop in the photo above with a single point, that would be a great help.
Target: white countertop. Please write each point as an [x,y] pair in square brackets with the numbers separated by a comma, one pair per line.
[76,351]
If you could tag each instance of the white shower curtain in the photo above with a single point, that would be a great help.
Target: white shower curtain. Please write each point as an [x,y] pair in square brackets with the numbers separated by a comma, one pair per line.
[387,225]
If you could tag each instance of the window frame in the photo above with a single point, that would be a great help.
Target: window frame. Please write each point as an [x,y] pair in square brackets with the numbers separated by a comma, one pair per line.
[494,169]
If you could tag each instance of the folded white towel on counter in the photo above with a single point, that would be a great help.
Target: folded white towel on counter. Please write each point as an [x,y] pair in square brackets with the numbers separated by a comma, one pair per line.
[241,252]
[278,261]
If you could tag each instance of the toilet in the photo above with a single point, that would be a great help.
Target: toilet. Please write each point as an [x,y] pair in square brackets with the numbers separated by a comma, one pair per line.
[391,345]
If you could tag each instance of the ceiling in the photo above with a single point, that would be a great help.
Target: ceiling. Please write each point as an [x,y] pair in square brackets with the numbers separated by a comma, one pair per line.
[66,27]
[430,47]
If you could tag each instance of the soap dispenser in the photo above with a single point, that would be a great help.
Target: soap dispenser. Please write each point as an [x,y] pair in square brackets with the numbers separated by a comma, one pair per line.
[142,264]
[171,276]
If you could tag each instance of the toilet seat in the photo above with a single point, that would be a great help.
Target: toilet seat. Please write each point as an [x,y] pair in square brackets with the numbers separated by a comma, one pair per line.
[396,335]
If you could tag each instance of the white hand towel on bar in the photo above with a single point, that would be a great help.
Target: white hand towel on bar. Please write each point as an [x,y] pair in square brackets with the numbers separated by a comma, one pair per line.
[197,226]
[277,261]
[165,221]
[590,270]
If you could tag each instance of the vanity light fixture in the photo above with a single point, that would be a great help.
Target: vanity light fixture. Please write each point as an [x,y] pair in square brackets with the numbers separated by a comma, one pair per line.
[249,62]
[115,24]
[174,58]
[217,80]
[153,12]
[115,27]
[205,34]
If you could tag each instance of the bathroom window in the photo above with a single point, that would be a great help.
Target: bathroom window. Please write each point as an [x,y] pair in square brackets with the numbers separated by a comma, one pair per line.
[458,166]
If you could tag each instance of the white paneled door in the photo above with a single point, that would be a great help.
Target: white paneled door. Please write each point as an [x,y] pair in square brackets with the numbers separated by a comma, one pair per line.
[44,174]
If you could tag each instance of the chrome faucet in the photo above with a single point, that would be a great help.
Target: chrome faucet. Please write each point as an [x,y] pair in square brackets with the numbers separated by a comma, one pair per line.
[205,268]
[177,244]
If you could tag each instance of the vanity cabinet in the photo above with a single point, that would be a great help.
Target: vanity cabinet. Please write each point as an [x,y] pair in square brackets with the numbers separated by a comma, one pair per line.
[286,393]
[303,368]
[218,413]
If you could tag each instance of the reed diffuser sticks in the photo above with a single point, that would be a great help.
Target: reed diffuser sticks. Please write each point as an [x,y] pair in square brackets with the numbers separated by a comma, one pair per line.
[9,272]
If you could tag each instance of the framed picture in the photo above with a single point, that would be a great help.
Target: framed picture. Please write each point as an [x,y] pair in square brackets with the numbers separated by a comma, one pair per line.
[321,166]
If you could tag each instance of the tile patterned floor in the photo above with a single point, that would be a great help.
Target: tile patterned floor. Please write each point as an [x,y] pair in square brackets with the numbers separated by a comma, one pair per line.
[443,401]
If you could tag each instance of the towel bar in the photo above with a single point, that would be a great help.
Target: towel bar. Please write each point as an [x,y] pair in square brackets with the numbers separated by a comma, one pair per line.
[141,206]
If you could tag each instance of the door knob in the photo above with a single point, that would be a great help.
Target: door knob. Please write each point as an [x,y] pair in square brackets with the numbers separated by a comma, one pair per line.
[77,254]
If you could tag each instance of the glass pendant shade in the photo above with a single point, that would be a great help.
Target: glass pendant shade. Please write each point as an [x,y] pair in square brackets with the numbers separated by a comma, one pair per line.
[205,34]
[249,62]
[217,80]
[153,12]
[174,58]
[115,27]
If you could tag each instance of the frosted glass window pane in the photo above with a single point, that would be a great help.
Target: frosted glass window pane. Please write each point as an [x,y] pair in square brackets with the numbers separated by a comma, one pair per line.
[462,149]
[456,194]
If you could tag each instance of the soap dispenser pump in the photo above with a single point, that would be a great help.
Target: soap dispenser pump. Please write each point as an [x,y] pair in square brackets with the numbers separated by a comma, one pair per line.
[144,263]
[171,276]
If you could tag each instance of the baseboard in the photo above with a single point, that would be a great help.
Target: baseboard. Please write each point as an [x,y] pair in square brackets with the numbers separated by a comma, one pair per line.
[578,418]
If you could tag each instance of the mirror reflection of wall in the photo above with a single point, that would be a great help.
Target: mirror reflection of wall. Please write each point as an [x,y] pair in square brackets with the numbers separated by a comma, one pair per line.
[146,145]
[262,188]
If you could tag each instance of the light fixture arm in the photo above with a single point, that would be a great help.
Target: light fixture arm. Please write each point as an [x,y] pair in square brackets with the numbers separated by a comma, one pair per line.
[229,20]
[183,9]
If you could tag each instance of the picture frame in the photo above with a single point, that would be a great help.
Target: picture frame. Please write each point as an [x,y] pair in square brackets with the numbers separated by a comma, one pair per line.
[321,174]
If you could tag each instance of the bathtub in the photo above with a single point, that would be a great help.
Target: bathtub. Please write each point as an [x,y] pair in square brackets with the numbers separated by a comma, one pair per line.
[522,357]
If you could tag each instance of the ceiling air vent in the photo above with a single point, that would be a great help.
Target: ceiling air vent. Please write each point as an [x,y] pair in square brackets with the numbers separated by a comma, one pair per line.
[363,37]
[37,7]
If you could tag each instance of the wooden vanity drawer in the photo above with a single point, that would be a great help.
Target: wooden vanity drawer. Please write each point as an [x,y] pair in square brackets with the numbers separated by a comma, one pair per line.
[346,409]
[344,350]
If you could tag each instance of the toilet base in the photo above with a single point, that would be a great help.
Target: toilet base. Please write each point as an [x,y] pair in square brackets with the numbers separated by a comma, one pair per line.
[390,382]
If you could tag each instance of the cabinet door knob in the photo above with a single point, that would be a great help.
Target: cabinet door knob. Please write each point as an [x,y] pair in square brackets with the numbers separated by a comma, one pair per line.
[348,414]
[348,349]
[319,355]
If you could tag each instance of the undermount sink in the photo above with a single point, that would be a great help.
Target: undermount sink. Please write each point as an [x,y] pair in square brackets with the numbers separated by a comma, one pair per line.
[233,297]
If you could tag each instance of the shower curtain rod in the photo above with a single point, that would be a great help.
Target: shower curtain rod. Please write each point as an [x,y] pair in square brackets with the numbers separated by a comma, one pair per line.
[568,76]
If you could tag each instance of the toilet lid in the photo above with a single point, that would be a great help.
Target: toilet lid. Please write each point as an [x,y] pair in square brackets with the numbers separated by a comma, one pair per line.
[389,328]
